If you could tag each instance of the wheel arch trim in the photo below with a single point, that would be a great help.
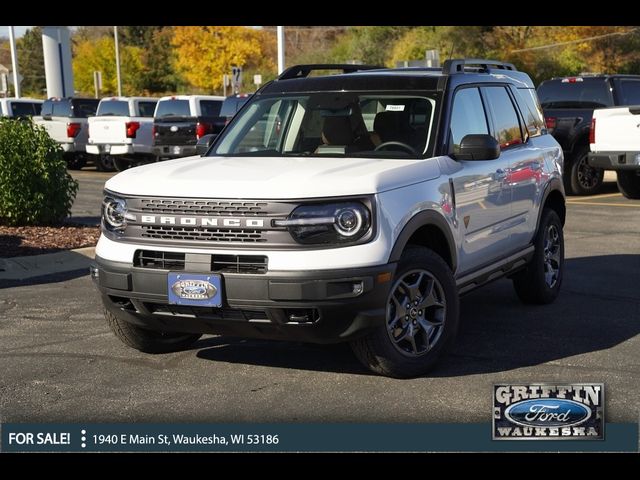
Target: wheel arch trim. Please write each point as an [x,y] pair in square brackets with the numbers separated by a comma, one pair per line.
[554,185]
[424,219]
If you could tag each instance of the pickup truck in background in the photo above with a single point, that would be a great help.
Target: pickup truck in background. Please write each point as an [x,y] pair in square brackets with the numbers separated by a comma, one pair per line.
[233,104]
[65,119]
[615,145]
[568,104]
[181,120]
[20,107]
[121,131]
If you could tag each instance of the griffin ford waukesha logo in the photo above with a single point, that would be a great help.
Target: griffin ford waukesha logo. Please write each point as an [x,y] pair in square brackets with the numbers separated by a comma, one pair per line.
[194,289]
[548,412]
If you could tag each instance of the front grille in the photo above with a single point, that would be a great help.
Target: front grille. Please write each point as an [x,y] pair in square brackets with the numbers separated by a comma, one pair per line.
[203,234]
[206,313]
[249,264]
[158,260]
[203,207]
[239,263]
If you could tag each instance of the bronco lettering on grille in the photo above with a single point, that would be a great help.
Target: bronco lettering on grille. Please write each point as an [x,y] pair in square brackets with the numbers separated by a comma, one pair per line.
[203,221]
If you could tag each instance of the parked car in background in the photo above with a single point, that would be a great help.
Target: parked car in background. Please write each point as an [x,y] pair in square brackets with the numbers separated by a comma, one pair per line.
[181,120]
[121,131]
[615,145]
[66,121]
[232,104]
[20,107]
[568,105]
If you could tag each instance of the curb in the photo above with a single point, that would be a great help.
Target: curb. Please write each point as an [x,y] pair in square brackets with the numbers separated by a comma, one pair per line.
[23,268]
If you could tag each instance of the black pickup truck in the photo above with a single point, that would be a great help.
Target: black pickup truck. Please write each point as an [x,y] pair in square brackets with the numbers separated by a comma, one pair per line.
[181,120]
[568,105]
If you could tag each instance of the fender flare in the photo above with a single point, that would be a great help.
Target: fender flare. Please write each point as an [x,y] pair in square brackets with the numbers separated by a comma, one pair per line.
[555,184]
[419,220]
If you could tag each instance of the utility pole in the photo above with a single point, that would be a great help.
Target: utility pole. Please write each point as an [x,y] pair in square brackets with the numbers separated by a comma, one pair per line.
[115,36]
[14,62]
[280,35]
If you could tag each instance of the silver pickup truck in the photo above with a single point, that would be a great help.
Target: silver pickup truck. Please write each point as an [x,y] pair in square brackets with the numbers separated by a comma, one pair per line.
[66,121]
[121,131]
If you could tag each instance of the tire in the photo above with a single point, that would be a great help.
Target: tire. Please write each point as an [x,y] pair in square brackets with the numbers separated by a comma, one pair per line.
[148,341]
[121,164]
[104,163]
[390,351]
[540,282]
[75,162]
[629,183]
[579,177]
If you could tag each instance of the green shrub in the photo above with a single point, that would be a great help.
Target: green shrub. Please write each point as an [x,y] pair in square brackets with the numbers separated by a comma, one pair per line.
[35,188]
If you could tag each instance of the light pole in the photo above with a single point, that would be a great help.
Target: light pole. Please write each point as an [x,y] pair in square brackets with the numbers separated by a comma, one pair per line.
[14,62]
[280,35]
[115,36]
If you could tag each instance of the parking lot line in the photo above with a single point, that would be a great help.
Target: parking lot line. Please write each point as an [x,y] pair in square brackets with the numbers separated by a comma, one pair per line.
[596,197]
[632,205]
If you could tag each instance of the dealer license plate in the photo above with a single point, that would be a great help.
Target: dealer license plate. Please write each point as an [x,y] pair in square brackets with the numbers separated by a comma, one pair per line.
[203,290]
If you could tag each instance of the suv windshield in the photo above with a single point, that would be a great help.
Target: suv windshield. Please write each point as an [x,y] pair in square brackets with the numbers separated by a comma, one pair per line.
[333,124]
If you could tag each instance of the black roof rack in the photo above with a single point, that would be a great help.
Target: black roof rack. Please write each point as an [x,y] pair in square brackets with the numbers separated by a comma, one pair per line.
[302,71]
[457,65]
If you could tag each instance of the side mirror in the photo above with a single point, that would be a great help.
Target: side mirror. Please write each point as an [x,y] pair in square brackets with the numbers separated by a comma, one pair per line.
[205,142]
[478,147]
[46,117]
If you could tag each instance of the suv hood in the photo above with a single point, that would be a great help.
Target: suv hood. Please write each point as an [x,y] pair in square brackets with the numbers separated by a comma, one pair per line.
[271,177]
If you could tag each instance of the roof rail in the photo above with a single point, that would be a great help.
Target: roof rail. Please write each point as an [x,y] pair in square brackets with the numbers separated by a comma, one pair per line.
[302,71]
[457,65]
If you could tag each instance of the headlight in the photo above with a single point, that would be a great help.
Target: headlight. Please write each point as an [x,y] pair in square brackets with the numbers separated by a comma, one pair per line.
[114,213]
[328,223]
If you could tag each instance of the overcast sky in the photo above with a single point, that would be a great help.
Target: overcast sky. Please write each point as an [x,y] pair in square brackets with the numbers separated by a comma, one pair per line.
[4,31]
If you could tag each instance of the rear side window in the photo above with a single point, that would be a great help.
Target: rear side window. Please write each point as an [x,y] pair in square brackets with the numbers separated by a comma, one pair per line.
[467,116]
[629,92]
[210,108]
[531,111]
[504,116]
[61,109]
[25,109]
[575,93]
[84,108]
[114,108]
[146,109]
[173,108]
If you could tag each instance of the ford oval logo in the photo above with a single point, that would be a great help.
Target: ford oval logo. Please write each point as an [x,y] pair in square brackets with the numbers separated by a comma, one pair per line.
[174,128]
[194,289]
[548,412]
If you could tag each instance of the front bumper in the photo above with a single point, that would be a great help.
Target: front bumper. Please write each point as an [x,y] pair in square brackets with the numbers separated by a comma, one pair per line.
[310,306]
[615,160]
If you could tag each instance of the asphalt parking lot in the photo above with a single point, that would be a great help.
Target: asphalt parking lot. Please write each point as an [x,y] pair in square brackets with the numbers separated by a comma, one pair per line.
[61,363]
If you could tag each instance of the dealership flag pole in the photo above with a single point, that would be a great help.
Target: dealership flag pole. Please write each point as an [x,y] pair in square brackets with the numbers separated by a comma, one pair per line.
[280,49]
[115,36]
[14,62]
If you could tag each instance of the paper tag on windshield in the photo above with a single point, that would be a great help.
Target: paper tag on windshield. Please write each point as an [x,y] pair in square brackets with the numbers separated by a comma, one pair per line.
[395,108]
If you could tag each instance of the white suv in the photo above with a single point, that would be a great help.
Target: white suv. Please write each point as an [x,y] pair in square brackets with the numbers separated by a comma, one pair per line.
[353,207]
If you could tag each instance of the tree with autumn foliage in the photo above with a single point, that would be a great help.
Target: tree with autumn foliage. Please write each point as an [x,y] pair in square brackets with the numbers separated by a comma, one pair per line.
[205,54]
[91,55]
